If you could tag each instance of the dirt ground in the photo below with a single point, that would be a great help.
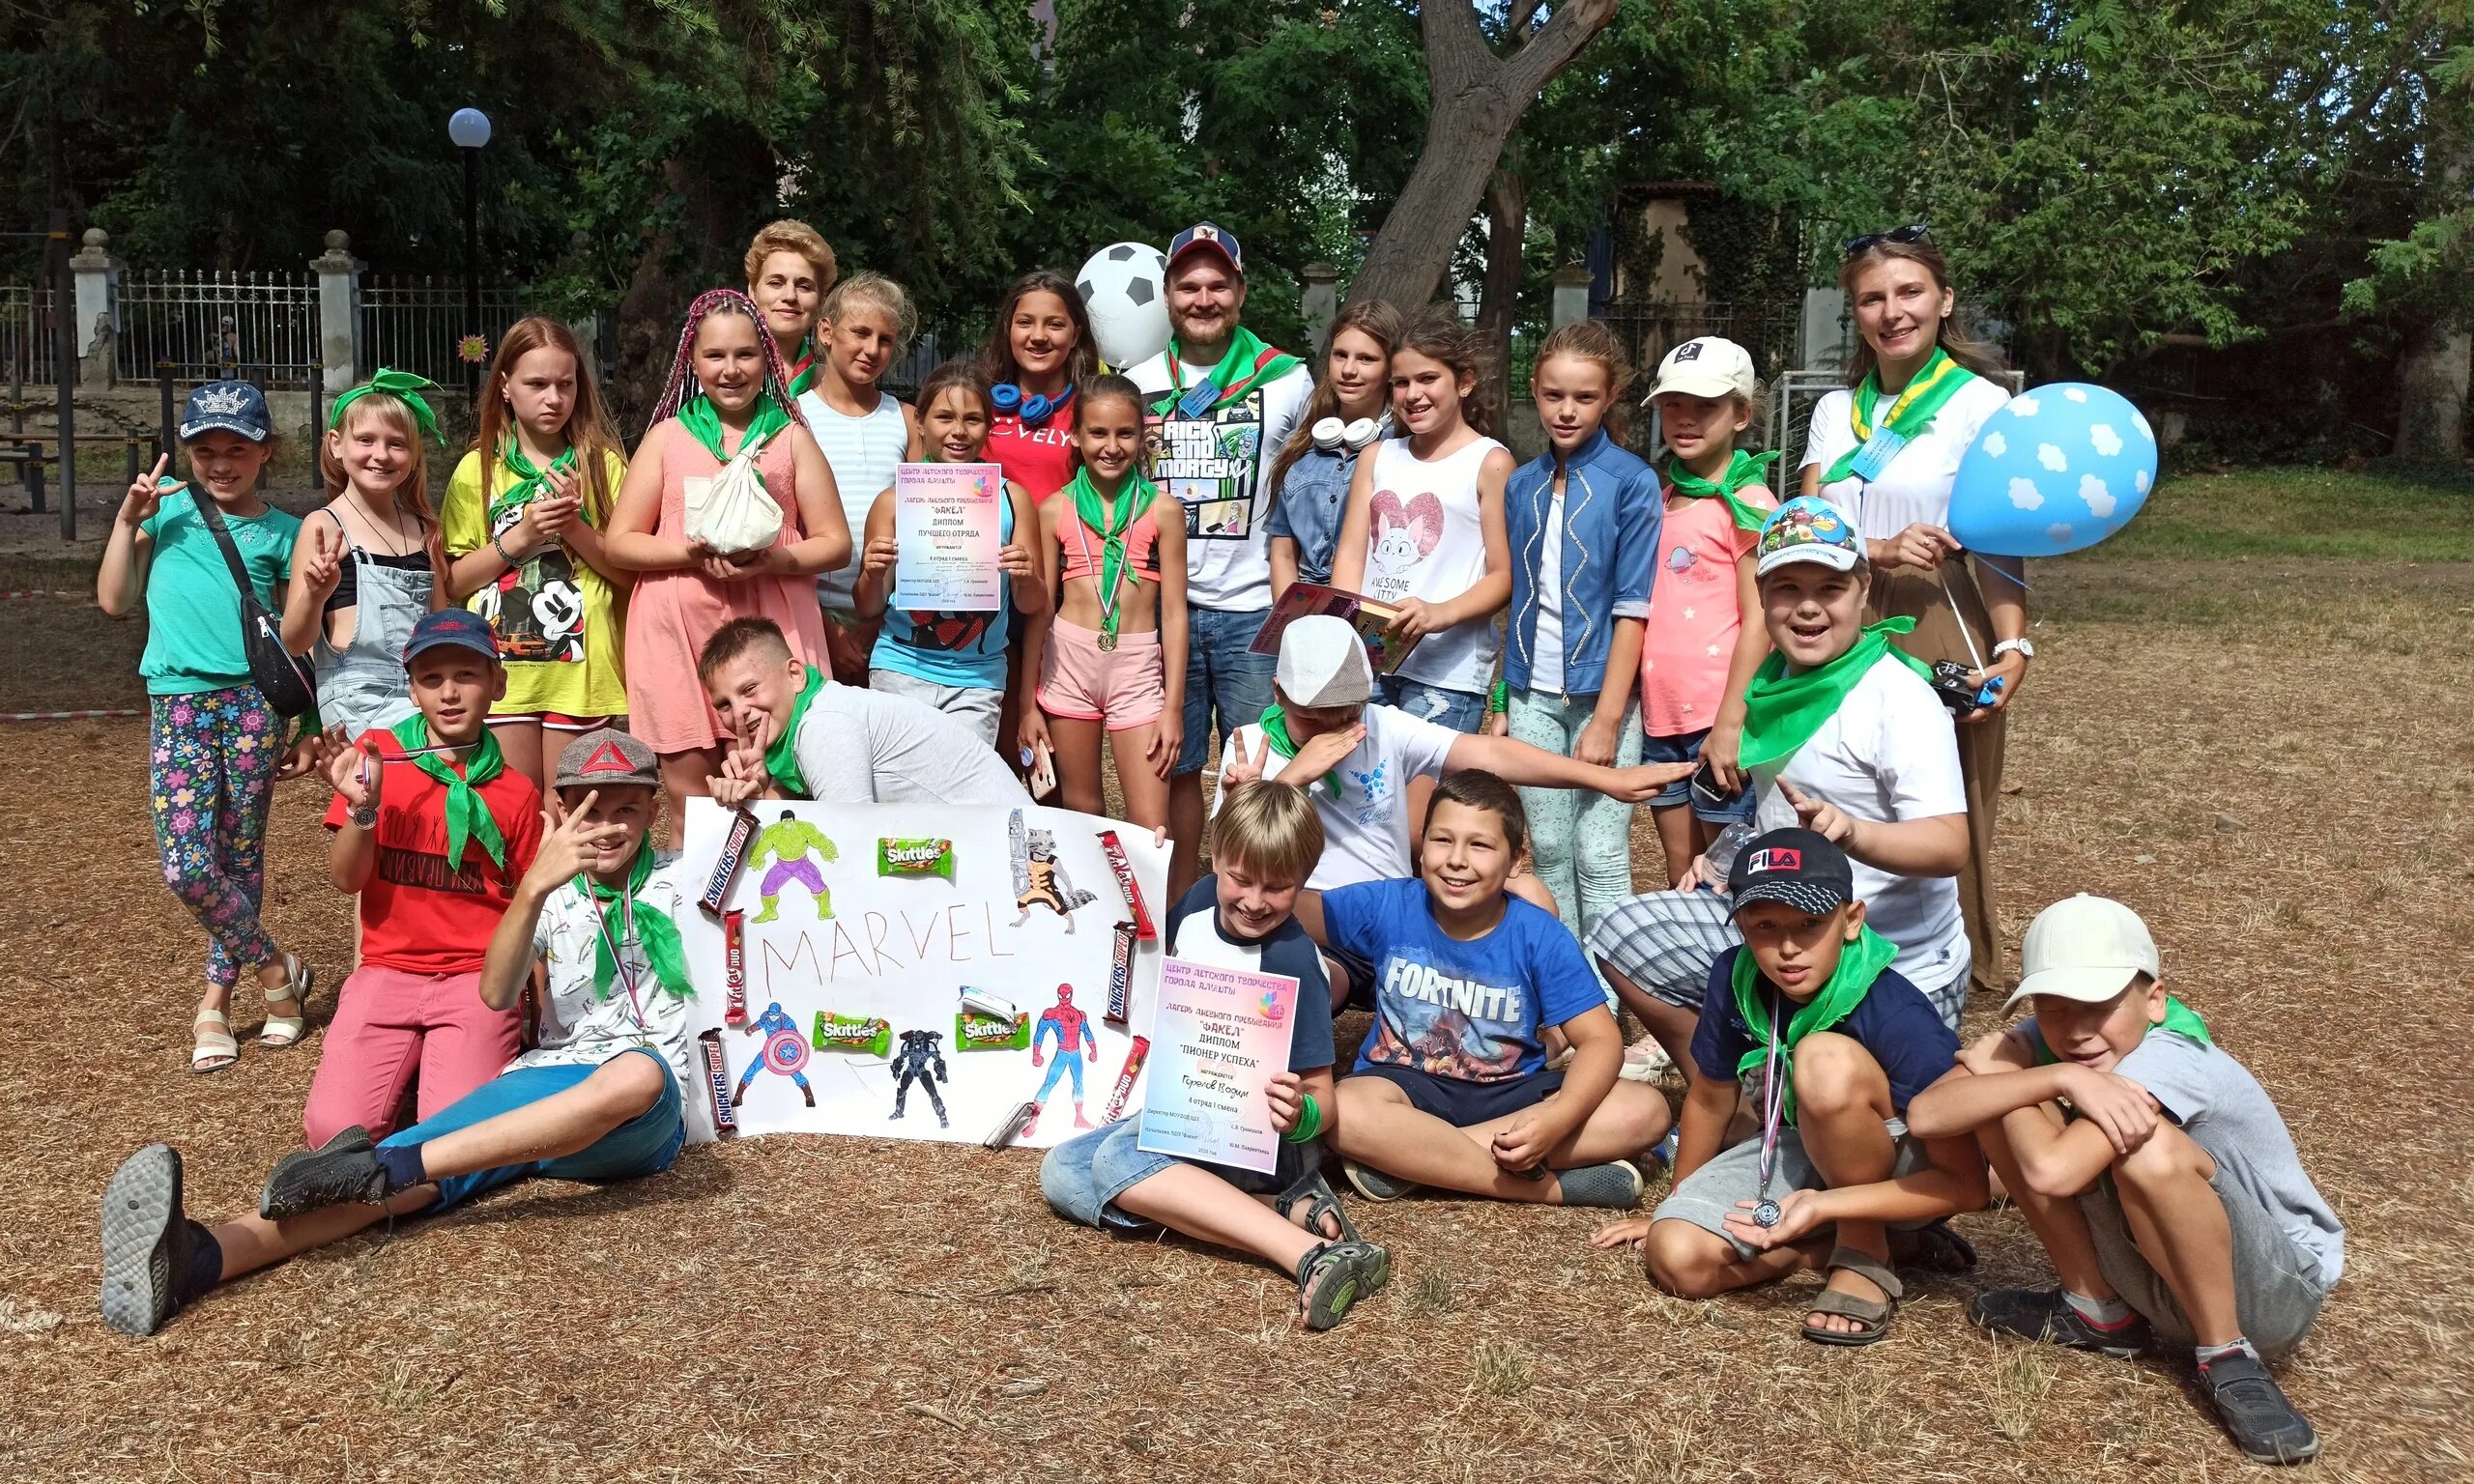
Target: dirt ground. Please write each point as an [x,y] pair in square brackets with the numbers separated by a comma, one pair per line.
[2272,762]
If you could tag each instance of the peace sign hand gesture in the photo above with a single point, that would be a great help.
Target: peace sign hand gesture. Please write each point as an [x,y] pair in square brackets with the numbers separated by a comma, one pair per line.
[146,496]
[570,845]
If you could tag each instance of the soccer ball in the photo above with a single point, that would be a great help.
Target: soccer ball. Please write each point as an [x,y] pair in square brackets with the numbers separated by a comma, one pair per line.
[1124,290]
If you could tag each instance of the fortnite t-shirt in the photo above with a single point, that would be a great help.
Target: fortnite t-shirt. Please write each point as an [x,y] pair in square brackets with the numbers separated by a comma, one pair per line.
[1468,1010]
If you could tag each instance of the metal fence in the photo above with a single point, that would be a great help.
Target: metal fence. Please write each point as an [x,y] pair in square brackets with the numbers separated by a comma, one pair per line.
[261,326]
[1649,329]
[414,323]
[26,340]
[1793,394]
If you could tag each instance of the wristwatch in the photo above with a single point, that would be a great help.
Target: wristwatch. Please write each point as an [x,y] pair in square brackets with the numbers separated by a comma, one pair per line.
[2019,646]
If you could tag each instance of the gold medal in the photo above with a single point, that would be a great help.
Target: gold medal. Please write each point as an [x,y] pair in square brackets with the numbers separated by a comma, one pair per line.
[1107,644]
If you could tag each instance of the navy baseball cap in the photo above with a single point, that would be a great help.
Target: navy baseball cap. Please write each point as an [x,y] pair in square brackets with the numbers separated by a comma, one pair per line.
[453,626]
[236,406]
[1800,867]
[1211,237]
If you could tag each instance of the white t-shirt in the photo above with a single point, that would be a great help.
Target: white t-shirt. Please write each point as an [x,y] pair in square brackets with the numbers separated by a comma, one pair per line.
[872,747]
[579,1028]
[1546,647]
[1888,755]
[1216,468]
[1915,487]
[863,453]
[1365,830]
[1426,539]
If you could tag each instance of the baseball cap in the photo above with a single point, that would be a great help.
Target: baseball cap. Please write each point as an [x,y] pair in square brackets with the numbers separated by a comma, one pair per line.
[1798,866]
[606,757]
[1807,528]
[1213,237]
[2086,948]
[236,406]
[1322,663]
[451,627]
[1707,366]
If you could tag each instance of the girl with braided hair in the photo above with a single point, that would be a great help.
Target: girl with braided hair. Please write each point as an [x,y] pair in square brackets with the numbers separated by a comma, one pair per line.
[726,385]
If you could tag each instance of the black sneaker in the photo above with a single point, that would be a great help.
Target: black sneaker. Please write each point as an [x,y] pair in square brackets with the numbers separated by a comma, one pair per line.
[147,1243]
[2254,1409]
[2043,1315]
[342,1170]
[1615,1185]
[1374,1185]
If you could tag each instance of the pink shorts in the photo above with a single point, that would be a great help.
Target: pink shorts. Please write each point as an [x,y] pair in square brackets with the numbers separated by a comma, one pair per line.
[1081,682]
[392,1025]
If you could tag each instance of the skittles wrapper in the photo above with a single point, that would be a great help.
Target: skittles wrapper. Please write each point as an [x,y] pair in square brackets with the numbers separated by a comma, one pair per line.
[852,1033]
[975,1032]
[916,858]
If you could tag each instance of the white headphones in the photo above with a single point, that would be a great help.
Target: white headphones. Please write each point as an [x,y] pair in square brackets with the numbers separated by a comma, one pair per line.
[1331,434]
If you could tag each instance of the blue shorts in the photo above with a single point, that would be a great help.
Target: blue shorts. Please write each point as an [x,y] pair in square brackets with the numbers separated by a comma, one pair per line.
[1686,747]
[1463,711]
[1083,1176]
[1463,1103]
[1224,676]
[644,1145]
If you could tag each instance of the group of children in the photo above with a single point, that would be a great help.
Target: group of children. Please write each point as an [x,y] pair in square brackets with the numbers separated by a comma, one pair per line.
[556,622]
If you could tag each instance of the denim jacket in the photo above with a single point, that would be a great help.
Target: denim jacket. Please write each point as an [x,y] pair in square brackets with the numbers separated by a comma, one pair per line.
[1613,507]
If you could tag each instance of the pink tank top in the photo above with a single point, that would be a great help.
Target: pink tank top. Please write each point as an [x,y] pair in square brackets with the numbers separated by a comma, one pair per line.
[1084,546]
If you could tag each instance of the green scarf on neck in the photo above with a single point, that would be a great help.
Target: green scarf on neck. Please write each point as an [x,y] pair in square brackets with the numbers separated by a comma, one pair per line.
[1134,496]
[1742,468]
[656,932]
[528,477]
[1276,733]
[1935,383]
[704,422]
[1859,963]
[782,759]
[2179,1018]
[468,819]
[1781,711]
[1239,372]
[802,369]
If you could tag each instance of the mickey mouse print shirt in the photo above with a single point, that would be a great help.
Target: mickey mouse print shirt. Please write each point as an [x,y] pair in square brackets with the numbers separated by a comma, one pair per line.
[1423,540]
[555,617]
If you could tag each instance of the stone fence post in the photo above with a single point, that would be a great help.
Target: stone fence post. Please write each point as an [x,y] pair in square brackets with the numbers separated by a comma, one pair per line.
[97,308]
[338,273]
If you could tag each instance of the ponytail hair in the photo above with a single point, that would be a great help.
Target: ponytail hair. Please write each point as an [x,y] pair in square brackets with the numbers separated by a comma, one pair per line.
[587,429]
[1109,387]
[1976,356]
[1377,320]
[960,374]
[1592,341]
[1439,335]
[1082,363]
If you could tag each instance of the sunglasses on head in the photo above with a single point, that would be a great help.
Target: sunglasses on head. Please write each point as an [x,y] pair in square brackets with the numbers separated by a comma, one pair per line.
[1913,232]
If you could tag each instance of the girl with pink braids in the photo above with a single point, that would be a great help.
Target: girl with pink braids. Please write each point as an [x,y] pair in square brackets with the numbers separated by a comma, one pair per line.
[685,590]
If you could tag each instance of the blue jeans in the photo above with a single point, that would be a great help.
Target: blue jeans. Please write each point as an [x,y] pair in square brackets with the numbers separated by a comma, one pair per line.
[644,1145]
[1581,841]
[1224,676]
[1685,747]
[1460,710]
[1083,1176]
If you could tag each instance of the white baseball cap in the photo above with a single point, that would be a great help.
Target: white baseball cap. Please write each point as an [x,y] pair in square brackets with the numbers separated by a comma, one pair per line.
[2086,948]
[1322,663]
[1707,366]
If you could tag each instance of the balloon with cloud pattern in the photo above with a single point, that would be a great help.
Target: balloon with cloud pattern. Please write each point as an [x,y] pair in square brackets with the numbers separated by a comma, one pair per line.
[2058,470]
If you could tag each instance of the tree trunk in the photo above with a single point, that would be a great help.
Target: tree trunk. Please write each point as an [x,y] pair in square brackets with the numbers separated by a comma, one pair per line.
[1474,99]
[1499,304]
[2431,401]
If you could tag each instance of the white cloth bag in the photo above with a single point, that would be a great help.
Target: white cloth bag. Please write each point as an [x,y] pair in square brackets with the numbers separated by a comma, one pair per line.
[732,512]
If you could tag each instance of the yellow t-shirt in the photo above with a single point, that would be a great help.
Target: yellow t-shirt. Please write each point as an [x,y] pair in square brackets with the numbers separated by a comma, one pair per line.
[557,620]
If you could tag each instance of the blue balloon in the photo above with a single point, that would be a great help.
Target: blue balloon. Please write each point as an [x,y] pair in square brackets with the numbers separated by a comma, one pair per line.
[2058,470]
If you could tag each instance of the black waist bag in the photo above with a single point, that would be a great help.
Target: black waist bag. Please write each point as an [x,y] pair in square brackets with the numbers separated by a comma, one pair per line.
[281,676]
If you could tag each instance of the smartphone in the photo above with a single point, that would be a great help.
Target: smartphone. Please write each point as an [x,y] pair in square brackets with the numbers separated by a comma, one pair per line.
[1706,790]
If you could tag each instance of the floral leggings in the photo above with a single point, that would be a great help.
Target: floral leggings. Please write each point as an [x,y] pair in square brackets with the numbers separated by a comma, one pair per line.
[1582,842]
[213,756]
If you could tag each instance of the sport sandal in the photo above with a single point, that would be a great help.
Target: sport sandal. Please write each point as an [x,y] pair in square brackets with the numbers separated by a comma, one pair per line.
[212,1049]
[1872,1316]
[281,1031]
[1320,1200]
[1334,1276]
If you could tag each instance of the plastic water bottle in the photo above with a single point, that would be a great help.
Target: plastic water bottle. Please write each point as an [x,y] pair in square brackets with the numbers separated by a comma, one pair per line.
[1721,855]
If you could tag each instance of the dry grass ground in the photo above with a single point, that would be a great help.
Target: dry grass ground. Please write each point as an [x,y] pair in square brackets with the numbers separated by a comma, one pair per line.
[2266,751]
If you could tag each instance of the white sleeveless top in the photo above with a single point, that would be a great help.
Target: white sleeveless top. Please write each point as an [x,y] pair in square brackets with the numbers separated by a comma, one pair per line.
[1423,540]
[863,453]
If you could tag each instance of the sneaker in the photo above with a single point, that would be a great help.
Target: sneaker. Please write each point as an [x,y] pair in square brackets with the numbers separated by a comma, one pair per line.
[1615,1184]
[1334,1276]
[147,1243]
[2254,1409]
[1645,1061]
[342,1170]
[2044,1316]
[1374,1185]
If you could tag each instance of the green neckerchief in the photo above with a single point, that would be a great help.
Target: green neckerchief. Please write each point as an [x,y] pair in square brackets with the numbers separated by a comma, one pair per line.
[782,759]
[1276,733]
[468,819]
[656,932]
[1859,963]
[2179,1018]
[529,478]
[702,418]
[1245,361]
[401,385]
[1782,711]
[1742,470]
[1937,381]
[1135,493]
[801,371]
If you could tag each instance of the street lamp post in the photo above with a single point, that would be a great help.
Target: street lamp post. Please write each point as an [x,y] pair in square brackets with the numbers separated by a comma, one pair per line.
[470,129]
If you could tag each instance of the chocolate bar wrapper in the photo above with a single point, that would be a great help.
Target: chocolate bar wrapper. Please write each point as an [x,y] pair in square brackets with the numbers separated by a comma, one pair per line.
[915,857]
[1121,975]
[1012,1127]
[734,966]
[1124,1089]
[717,1082]
[717,886]
[973,1032]
[1126,883]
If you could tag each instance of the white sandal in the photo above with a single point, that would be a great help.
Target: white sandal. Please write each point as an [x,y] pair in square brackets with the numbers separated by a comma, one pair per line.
[214,1048]
[281,1031]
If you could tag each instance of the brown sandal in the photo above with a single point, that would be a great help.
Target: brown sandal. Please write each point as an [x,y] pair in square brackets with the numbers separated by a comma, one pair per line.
[1873,1315]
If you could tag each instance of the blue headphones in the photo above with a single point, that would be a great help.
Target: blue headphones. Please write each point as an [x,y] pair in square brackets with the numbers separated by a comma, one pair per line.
[1034,410]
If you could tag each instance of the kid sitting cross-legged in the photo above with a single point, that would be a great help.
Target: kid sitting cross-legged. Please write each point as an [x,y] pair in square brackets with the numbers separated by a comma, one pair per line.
[2153,1167]
[597,1100]
[1241,918]
[1807,1020]
[1452,1088]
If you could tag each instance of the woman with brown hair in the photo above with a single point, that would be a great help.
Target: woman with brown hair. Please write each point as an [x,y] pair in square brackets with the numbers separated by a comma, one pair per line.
[1884,451]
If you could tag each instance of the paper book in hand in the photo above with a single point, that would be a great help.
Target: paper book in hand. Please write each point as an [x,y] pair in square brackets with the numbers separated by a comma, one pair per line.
[1368,616]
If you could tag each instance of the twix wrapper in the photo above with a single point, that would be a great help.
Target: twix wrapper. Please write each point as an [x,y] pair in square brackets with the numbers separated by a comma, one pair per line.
[1133,889]
[717,886]
[734,966]
[1124,1089]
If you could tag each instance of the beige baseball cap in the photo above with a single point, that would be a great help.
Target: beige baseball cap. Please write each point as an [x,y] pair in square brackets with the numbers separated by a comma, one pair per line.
[1706,366]
[1322,663]
[2086,948]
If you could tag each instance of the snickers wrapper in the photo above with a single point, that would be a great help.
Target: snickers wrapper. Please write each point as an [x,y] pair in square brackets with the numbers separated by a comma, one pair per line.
[1121,975]
[717,886]
[717,1082]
